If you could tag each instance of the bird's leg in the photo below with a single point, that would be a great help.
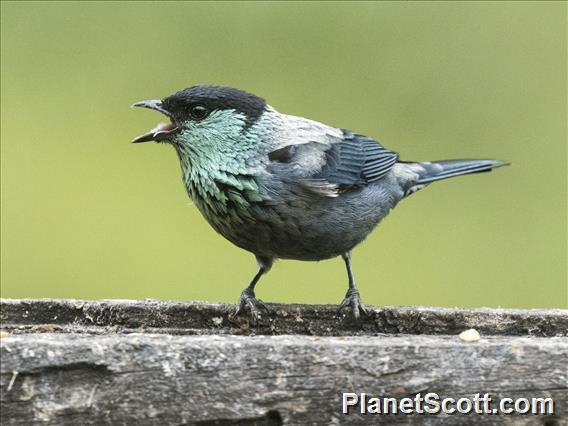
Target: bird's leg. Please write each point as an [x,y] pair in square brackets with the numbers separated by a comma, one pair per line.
[352,298]
[247,300]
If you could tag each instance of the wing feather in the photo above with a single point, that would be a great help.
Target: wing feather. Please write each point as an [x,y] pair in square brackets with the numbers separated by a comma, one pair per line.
[341,161]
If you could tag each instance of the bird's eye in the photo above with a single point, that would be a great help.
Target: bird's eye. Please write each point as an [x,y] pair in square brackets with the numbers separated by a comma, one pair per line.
[198,112]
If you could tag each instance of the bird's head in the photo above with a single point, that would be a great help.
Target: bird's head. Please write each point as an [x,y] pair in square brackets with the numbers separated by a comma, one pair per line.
[206,115]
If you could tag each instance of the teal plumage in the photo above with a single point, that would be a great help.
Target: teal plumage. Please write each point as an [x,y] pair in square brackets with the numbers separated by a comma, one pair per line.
[221,172]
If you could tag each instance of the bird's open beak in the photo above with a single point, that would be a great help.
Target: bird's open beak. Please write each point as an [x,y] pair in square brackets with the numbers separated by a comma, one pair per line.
[162,131]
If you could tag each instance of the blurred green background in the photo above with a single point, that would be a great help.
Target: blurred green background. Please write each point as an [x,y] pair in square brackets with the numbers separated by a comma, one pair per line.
[86,214]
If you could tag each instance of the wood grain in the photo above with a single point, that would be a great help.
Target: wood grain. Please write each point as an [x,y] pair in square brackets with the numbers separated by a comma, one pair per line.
[122,362]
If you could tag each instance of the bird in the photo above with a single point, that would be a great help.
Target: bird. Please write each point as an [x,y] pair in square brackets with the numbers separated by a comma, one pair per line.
[283,186]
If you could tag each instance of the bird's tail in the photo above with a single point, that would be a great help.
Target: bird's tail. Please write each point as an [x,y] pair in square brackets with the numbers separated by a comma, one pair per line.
[428,172]
[439,170]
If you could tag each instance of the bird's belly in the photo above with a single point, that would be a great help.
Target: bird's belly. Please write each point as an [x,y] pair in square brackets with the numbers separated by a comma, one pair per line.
[309,229]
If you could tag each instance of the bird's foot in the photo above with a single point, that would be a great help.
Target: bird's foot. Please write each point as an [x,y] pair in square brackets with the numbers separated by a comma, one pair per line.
[248,302]
[353,300]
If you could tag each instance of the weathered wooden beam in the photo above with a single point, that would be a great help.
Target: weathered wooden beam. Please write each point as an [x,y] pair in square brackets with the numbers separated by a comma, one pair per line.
[320,320]
[120,362]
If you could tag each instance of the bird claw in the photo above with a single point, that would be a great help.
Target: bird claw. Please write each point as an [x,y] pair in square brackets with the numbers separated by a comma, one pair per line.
[353,300]
[248,302]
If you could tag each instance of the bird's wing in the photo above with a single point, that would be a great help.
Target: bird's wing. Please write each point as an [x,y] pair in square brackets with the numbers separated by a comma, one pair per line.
[358,160]
[328,161]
